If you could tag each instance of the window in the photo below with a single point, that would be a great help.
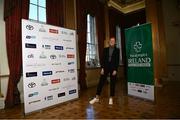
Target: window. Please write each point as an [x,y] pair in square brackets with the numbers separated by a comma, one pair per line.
[92,54]
[37,10]
[118,43]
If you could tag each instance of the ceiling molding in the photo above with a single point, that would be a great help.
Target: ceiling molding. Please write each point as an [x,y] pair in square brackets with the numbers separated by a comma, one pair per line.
[128,8]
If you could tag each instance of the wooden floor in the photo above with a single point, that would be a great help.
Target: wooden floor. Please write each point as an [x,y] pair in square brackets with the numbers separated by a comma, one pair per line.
[167,105]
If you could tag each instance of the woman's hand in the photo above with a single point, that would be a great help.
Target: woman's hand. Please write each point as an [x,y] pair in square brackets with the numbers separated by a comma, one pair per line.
[102,71]
[114,73]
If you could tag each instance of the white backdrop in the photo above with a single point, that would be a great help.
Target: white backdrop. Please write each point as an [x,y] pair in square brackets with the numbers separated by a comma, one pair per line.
[49,65]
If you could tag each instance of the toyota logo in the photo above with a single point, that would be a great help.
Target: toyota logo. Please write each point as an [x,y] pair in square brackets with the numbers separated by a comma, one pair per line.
[53,56]
[31,85]
[29,27]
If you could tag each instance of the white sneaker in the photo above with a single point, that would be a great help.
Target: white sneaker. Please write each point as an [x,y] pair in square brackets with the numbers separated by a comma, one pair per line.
[94,100]
[110,101]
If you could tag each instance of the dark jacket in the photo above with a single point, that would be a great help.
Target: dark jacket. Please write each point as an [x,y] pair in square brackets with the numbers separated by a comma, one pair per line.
[114,63]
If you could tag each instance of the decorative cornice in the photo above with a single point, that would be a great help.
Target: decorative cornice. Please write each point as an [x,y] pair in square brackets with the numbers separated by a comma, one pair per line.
[128,8]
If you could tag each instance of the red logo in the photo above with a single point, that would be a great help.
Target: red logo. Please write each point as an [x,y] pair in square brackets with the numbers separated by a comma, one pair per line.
[53,31]
[70,55]
[55,81]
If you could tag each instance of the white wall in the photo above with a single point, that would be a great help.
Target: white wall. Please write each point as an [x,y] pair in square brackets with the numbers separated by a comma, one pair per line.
[3,53]
[4,70]
[171,14]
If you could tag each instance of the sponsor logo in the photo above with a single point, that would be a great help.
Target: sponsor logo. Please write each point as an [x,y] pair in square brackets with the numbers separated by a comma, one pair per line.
[147,86]
[28,45]
[66,79]
[67,40]
[42,29]
[70,55]
[53,31]
[31,74]
[62,56]
[48,98]
[46,46]
[45,73]
[58,47]
[71,70]
[73,78]
[133,89]
[33,94]
[42,56]
[69,48]
[55,81]
[53,56]
[30,56]
[31,85]
[64,32]
[68,87]
[140,91]
[59,71]
[35,65]
[70,63]
[44,83]
[145,91]
[35,101]
[29,27]
[50,38]
[52,89]
[142,85]
[72,91]
[71,33]
[61,94]
[56,63]
[30,37]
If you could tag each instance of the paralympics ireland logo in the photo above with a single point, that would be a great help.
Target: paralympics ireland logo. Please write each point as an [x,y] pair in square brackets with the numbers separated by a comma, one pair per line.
[137,46]
[139,59]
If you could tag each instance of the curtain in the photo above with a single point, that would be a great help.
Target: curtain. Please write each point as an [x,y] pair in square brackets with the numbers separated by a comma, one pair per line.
[95,8]
[81,31]
[100,29]
[55,12]
[13,13]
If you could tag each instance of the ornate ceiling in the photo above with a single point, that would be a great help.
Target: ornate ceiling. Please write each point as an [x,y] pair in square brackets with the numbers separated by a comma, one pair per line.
[126,6]
[124,3]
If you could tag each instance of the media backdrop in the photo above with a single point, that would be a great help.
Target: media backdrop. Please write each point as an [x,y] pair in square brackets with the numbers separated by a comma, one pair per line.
[49,65]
